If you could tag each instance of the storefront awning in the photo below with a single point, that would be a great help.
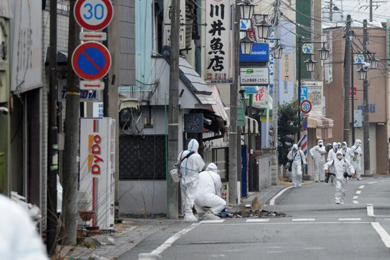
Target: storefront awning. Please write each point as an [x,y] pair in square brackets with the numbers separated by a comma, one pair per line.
[322,125]
[219,107]
[319,122]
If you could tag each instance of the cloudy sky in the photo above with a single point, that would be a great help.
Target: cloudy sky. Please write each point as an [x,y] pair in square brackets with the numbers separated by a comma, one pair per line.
[359,9]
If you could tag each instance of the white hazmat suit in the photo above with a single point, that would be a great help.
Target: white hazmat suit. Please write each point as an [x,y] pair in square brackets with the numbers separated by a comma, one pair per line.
[355,157]
[318,154]
[298,158]
[340,166]
[209,192]
[189,170]
[345,150]
[18,237]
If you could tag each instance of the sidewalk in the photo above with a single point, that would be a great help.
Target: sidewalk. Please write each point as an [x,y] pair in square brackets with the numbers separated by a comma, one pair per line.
[133,231]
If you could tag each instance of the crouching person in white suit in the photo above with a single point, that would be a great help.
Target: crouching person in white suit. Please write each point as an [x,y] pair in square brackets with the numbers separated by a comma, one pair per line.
[209,193]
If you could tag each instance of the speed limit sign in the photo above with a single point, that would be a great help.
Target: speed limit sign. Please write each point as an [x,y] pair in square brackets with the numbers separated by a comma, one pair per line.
[93,15]
[306,106]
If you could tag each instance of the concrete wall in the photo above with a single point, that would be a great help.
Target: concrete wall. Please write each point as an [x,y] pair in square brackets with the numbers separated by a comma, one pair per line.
[142,197]
[263,167]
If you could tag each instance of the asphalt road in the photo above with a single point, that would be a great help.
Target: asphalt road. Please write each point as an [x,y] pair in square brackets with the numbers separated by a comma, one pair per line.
[315,228]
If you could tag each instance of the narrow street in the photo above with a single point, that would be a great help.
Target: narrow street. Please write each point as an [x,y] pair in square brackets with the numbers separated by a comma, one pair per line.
[315,228]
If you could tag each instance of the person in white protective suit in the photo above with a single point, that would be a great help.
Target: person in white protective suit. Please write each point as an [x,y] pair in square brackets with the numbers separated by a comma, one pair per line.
[355,157]
[340,166]
[209,193]
[345,150]
[18,237]
[189,171]
[298,159]
[332,152]
[318,154]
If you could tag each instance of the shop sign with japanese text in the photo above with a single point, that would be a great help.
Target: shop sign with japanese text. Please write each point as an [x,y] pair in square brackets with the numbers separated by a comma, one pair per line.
[218,38]
[254,76]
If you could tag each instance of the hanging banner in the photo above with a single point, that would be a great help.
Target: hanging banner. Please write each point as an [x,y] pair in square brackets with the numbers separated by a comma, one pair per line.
[287,68]
[218,38]
[26,45]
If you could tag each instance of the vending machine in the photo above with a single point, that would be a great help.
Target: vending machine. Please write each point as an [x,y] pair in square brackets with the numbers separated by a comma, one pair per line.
[97,167]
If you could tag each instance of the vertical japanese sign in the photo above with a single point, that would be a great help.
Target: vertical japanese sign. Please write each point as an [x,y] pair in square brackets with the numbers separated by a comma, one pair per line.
[286,67]
[167,23]
[329,62]
[218,38]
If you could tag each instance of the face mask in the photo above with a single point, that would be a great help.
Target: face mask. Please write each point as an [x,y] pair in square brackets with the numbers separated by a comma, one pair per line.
[339,157]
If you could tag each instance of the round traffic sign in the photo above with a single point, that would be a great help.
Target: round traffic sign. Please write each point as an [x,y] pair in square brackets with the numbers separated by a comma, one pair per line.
[91,60]
[306,106]
[93,15]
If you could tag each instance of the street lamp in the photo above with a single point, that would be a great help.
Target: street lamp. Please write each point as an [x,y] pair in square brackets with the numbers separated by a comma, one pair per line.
[246,9]
[310,64]
[324,52]
[246,44]
[277,50]
[263,28]
[374,62]
[362,73]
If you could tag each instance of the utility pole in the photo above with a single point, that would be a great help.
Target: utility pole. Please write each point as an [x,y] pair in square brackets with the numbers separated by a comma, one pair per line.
[299,84]
[52,162]
[347,77]
[233,111]
[173,131]
[366,123]
[275,105]
[352,99]
[370,10]
[331,10]
[71,152]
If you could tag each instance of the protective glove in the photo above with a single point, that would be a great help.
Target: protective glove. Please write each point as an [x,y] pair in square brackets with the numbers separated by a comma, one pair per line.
[304,166]
[347,175]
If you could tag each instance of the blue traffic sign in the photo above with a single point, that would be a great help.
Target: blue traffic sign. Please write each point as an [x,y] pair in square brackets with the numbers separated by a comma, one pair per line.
[251,90]
[91,61]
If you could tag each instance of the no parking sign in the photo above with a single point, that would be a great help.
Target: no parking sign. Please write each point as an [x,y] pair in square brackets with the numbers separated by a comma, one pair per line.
[91,61]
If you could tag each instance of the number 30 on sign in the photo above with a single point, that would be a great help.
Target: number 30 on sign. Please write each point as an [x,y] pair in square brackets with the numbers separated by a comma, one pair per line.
[93,15]
[306,106]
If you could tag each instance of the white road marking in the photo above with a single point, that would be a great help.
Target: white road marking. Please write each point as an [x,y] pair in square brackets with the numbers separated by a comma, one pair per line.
[212,221]
[373,182]
[314,248]
[387,219]
[257,220]
[350,219]
[172,239]
[361,187]
[272,201]
[358,192]
[356,202]
[303,219]
[355,197]
[382,233]
[370,210]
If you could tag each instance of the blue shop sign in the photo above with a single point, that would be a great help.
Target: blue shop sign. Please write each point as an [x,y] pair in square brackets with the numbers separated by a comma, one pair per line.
[260,52]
